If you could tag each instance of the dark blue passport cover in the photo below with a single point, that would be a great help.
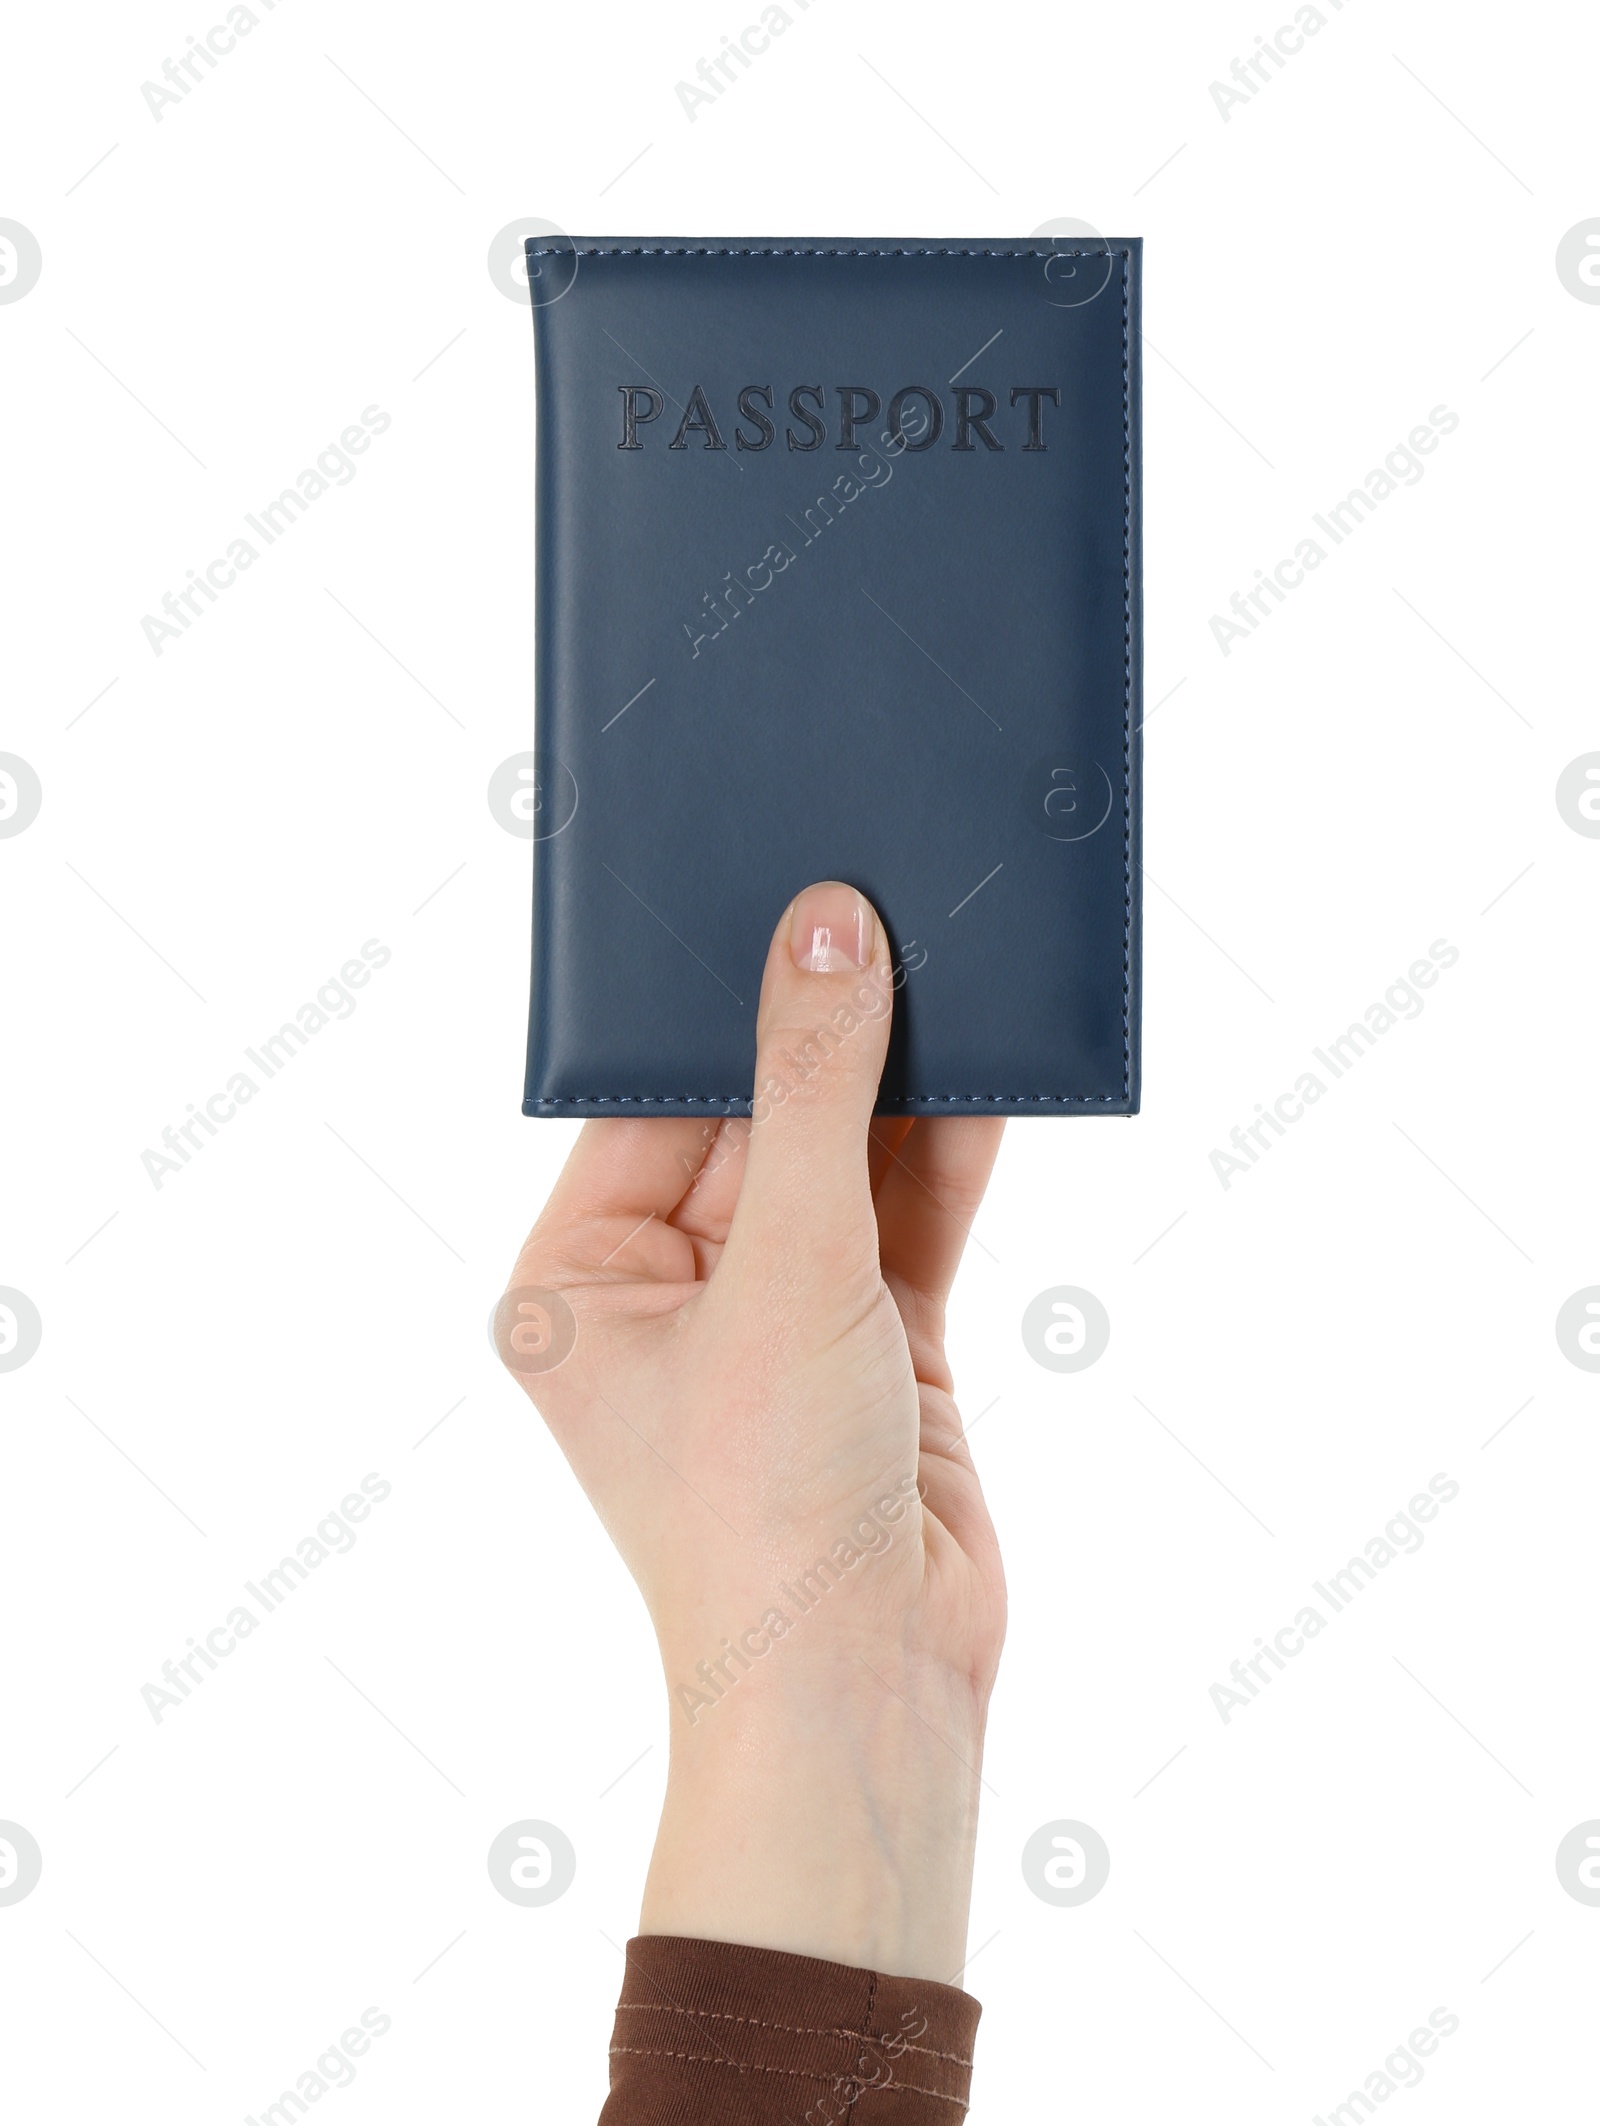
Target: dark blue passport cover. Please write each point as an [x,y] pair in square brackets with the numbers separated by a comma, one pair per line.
[838,577]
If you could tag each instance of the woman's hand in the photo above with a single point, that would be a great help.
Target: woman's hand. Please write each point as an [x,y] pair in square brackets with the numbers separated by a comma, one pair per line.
[757,1403]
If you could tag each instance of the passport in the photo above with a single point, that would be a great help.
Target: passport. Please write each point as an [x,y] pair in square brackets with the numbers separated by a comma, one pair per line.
[837,576]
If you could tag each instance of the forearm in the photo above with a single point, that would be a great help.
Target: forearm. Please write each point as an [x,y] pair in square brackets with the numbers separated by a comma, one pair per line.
[828,1811]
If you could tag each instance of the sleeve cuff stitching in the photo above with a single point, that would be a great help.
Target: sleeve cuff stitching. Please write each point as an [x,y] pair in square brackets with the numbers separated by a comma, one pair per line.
[859,2037]
[836,2081]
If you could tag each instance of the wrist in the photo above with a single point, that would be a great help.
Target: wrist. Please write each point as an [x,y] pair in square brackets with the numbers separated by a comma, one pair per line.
[829,1812]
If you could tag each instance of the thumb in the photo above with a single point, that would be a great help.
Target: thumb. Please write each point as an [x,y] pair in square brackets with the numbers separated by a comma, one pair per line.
[821,1035]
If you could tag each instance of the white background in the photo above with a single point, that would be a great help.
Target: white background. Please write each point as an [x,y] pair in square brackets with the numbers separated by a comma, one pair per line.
[304,235]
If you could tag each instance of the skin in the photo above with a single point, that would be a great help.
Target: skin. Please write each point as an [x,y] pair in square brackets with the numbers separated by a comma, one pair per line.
[758,1381]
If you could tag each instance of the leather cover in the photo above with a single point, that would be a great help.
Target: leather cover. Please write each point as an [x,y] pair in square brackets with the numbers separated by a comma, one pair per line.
[838,577]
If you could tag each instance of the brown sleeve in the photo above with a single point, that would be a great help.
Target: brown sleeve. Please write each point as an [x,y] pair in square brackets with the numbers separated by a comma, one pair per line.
[710,2033]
